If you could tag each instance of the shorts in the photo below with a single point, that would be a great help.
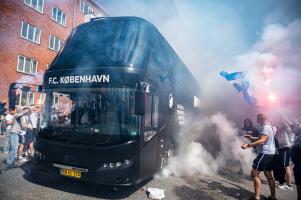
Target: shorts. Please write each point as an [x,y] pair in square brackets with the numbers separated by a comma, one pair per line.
[22,139]
[285,156]
[263,162]
[29,137]
[297,174]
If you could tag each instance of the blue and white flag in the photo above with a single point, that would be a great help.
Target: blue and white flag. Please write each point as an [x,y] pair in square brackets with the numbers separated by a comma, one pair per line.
[241,84]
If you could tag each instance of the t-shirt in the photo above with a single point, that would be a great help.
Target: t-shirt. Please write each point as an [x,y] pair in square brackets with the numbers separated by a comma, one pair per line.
[285,136]
[33,119]
[269,146]
[8,119]
[253,131]
[16,127]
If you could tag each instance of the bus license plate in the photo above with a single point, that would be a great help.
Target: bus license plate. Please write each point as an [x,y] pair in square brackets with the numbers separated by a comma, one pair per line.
[71,173]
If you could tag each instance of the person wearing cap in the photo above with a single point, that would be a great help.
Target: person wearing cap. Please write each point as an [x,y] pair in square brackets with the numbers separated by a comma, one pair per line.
[263,161]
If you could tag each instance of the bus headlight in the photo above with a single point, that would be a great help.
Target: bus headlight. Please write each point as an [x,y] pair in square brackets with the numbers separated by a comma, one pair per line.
[39,155]
[127,162]
[116,165]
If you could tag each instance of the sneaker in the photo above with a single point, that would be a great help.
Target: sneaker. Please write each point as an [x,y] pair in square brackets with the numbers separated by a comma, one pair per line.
[21,159]
[289,187]
[25,154]
[283,186]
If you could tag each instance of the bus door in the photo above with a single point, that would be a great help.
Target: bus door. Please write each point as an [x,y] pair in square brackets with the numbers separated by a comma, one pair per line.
[150,139]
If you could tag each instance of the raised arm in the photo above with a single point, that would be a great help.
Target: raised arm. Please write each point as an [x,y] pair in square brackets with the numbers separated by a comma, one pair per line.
[262,139]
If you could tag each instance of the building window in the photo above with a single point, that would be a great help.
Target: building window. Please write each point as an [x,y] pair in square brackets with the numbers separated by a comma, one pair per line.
[30,32]
[25,99]
[27,65]
[85,7]
[38,5]
[59,16]
[55,43]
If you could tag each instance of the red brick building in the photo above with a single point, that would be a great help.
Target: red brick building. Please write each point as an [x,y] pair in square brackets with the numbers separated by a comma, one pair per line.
[31,34]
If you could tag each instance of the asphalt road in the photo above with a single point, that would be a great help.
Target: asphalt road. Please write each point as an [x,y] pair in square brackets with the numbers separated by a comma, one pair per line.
[24,183]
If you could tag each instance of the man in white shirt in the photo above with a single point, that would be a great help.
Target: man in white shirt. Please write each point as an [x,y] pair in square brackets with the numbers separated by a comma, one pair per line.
[32,131]
[263,162]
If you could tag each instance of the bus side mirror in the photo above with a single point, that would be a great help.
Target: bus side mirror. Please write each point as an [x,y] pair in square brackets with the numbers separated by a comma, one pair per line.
[140,103]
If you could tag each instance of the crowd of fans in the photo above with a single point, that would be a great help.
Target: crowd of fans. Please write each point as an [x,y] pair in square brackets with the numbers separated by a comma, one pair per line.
[19,126]
[276,146]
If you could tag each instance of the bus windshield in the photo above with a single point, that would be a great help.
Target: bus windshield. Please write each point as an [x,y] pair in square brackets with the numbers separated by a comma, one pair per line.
[105,43]
[102,116]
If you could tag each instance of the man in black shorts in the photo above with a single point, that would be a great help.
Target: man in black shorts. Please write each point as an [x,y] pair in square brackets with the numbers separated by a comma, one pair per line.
[22,144]
[22,135]
[32,130]
[266,151]
[285,139]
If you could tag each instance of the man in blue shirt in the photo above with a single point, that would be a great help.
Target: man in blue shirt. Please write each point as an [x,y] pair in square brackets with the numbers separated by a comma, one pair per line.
[266,150]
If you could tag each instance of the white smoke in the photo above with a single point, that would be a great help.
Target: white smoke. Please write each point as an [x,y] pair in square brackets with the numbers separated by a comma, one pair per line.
[195,159]
[221,148]
[273,66]
[209,38]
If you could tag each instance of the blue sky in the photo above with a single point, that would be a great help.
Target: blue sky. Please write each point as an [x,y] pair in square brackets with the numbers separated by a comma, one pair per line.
[251,15]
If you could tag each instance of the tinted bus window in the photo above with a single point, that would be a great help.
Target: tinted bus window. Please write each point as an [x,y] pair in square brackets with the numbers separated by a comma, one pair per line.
[155,111]
[151,111]
[110,43]
[148,111]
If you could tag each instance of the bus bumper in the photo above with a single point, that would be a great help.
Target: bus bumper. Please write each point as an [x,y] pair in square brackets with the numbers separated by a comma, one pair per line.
[113,165]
